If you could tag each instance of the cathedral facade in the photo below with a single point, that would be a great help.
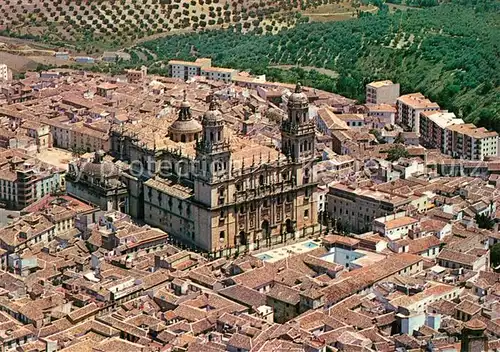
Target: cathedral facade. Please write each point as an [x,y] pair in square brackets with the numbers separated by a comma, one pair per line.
[218,192]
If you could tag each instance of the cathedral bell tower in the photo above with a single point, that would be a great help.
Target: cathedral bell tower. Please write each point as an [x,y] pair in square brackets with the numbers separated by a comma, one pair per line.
[212,151]
[297,132]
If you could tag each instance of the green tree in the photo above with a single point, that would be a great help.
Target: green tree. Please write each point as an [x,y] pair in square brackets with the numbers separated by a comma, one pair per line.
[495,255]
[484,221]
[396,152]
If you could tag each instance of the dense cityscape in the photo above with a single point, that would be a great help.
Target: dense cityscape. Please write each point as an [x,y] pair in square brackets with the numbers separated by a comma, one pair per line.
[249,176]
[213,210]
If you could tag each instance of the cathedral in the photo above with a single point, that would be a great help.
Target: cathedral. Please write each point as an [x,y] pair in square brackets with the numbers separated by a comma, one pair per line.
[218,192]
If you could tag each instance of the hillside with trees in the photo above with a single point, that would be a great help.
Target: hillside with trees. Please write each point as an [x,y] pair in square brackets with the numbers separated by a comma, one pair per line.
[448,52]
[92,25]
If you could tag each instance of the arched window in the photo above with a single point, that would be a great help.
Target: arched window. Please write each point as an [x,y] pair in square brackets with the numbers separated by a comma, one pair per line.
[243,238]
[265,229]
[183,138]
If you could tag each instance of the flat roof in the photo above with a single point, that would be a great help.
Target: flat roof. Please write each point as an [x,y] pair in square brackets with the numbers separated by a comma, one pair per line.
[378,84]
[275,255]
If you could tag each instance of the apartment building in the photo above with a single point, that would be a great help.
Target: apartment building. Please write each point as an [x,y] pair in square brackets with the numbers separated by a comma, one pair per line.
[382,92]
[137,75]
[394,226]
[358,207]
[187,69]
[409,107]
[218,73]
[433,129]
[5,73]
[24,180]
[381,115]
[472,143]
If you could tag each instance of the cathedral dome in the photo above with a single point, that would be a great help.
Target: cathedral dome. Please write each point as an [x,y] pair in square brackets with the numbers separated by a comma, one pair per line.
[213,115]
[298,98]
[185,128]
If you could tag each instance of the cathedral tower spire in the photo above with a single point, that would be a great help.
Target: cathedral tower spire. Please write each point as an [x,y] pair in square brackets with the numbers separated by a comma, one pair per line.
[212,151]
[297,131]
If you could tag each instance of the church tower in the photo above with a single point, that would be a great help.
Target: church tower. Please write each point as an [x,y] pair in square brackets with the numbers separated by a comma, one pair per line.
[297,132]
[298,138]
[212,151]
[212,176]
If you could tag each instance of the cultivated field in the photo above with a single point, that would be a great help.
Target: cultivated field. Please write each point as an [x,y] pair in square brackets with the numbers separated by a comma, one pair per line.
[94,25]
[338,11]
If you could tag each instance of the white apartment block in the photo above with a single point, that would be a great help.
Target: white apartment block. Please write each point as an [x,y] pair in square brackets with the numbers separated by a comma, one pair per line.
[5,73]
[472,143]
[409,107]
[218,73]
[186,69]
[8,189]
[433,129]
[382,92]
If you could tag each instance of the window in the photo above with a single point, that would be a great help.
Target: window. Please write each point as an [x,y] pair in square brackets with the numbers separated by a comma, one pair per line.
[222,236]
[308,192]
[306,213]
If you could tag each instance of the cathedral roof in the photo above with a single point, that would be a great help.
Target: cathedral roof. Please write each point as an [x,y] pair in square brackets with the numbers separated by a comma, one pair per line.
[213,114]
[105,168]
[185,122]
[185,126]
[298,97]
